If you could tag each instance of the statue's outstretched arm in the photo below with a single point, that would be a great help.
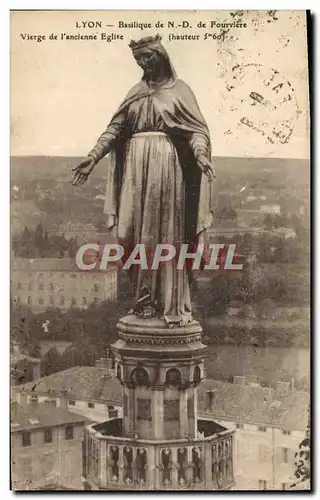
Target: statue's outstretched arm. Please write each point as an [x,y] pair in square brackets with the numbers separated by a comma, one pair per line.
[106,140]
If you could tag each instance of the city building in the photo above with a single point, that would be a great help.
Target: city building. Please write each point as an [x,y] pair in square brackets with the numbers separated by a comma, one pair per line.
[235,307]
[270,209]
[81,233]
[269,422]
[231,232]
[253,217]
[46,446]
[43,283]
[287,233]
[23,367]
[251,197]
[91,391]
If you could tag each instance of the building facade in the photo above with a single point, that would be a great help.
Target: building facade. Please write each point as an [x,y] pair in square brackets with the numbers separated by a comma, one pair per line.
[269,425]
[81,233]
[46,446]
[90,391]
[270,209]
[43,283]
[265,457]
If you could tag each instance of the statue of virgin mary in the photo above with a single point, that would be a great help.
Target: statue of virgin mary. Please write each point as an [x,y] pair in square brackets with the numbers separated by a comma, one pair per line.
[159,179]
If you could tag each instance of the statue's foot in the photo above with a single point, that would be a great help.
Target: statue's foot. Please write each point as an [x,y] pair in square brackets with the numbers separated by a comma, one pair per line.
[186,319]
[147,312]
[177,321]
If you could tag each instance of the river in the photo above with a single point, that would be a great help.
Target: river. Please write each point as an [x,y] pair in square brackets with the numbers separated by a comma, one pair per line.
[269,364]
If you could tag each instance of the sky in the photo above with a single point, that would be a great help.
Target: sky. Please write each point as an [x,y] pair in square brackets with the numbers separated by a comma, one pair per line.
[63,92]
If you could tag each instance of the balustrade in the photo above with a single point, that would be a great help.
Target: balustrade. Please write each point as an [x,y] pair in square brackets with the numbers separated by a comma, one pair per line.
[127,465]
[205,463]
[222,461]
[166,467]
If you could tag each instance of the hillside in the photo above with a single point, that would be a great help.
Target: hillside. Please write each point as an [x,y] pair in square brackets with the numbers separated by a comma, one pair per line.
[41,188]
[295,170]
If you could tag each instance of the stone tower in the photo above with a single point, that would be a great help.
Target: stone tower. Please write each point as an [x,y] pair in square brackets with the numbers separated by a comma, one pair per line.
[160,369]
[160,443]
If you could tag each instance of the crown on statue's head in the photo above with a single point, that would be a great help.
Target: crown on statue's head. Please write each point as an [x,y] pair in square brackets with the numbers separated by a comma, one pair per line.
[145,42]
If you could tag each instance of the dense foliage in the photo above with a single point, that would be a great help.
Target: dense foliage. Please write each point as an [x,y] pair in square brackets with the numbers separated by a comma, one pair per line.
[303,463]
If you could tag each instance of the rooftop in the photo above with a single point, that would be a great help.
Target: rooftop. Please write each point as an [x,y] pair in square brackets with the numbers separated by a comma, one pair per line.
[67,226]
[250,404]
[63,264]
[253,404]
[114,427]
[15,358]
[38,415]
[83,383]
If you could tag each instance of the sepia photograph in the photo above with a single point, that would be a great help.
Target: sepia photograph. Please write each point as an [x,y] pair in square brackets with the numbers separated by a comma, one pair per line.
[159,250]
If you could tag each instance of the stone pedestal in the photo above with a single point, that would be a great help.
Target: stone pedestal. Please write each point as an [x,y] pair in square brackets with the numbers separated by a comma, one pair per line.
[159,444]
[160,369]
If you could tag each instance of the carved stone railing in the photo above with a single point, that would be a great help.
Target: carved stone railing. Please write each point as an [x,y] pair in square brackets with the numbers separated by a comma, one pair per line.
[119,462]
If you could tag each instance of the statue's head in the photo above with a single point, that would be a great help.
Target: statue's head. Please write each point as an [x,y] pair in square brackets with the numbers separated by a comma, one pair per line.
[149,61]
[152,57]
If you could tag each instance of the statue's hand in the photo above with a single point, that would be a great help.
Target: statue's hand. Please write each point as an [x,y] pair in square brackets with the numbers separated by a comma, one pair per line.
[83,170]
[205,166]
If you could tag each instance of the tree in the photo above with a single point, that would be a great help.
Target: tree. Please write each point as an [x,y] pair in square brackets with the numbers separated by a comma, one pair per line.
[246,244]
[22,372]
[38,239]
[302,463]
[246,291]
[51,362]
[46,241]
[280,221]
[268,246]
[268,223]
[277,288]
[271,286]
[264,309]
[82,353]
[20,325]
[34,350]
[214,300]
[24,244]
[72,248]
[26,236]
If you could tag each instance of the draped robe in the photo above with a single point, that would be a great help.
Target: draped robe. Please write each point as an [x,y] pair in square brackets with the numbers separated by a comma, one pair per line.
[155,191]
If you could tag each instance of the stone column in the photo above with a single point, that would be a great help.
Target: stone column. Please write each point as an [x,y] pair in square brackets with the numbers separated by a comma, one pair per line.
[174,473]
[157,462]
[108,464]
[103,464]
[184,424]
[120,464]
[189,465]
[207,465]
[131,417]
[150,475]
[106,412]
[157,414]
[195,406]
[135,472]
